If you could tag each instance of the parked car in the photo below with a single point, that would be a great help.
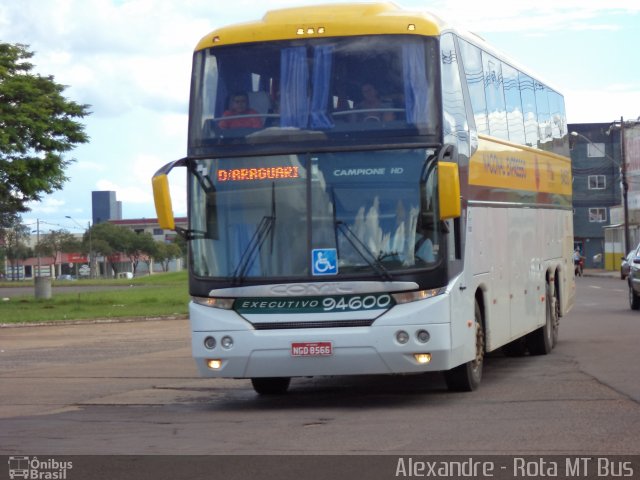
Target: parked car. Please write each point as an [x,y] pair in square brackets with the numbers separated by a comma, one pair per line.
[633,279]
[625,264]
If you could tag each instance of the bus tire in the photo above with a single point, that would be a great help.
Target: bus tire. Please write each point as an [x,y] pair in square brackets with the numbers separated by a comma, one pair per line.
[271,385]
[542,340]
[467,377]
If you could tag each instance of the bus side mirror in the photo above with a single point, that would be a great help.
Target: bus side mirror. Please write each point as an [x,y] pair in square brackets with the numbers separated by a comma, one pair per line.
[449,190]
[162,201]
[162,195]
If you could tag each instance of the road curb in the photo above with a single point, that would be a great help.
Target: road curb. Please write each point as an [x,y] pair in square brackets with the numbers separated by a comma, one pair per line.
[96,321]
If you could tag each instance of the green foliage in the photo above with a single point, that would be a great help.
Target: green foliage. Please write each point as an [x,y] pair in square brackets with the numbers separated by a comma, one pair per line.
[56,242]
[138,245]
[37,126]
[13,240]
[165,252]
[110,240]
[159,295]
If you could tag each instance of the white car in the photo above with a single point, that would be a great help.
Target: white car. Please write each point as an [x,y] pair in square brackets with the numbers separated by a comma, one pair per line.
[625,264]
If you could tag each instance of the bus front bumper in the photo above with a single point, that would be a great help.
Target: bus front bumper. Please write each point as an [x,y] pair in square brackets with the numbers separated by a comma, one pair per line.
[240,351]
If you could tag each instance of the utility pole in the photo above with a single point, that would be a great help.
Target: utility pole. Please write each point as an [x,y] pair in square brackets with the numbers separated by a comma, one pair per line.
[91,269]
[625,189]
[42,284]
[38,274]
[88,232]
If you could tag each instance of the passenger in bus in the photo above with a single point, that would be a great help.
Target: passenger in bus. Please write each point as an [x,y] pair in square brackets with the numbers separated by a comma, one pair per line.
[372,101]
[239,105]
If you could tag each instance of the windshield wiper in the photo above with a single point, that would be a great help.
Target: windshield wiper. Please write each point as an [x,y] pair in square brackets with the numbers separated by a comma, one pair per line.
[264,228]
[366,254]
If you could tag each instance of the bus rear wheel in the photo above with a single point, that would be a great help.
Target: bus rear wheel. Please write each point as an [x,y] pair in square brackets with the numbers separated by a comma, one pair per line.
[542,340]
[271,385]
[467,377]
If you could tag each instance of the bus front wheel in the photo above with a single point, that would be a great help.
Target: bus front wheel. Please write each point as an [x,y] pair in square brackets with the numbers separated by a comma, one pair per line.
[271,385]
[466,377]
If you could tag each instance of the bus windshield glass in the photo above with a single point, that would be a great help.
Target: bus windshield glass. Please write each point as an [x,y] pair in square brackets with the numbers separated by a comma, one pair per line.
[365,214]
[314,90]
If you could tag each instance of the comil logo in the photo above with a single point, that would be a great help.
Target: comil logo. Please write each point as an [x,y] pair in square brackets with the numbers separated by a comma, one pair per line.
[33,468]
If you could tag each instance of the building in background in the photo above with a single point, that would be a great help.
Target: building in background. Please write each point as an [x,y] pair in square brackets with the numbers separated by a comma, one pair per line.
[601,165]
[627,223]
[151,225]
[105,207]
[595,160]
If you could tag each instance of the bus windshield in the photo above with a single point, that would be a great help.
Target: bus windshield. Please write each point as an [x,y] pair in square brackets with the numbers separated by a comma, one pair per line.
[365,214]
[314,89]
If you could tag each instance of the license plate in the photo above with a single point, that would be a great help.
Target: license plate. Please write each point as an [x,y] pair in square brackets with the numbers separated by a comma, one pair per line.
[311,349]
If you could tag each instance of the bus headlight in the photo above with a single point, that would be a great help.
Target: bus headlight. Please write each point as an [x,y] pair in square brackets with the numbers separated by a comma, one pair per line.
[222,303]
[408,297]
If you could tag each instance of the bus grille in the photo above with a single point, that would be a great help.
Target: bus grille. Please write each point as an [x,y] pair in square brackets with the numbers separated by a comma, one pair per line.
[318,324]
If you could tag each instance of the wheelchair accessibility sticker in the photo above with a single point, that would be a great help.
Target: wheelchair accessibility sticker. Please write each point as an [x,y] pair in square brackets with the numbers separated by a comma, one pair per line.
[324,261]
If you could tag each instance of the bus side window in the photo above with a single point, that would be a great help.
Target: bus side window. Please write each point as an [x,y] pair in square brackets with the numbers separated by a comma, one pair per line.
[454,121]
[472,61]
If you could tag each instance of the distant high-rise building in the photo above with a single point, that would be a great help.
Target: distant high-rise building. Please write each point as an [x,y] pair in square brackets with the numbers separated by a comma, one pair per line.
[105,207]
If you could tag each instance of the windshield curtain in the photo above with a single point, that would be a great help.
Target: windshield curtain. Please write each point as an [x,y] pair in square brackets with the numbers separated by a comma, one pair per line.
[303,216]
[336,86]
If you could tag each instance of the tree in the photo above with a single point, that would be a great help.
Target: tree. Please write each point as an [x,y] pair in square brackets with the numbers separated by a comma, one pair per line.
[109,240]
[37,126]
[57,242]
[112,241]
[165,252]
[137,246]
[15,248]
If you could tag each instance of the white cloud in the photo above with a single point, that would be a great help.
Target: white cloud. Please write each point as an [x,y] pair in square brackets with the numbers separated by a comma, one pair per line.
[175,125]
[126,193]
[531,16]
[47,206]
[603,105]
[88,166]
[114,57]
[134,188]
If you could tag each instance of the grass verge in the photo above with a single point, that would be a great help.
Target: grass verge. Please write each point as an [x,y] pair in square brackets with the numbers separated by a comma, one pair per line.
[158,295]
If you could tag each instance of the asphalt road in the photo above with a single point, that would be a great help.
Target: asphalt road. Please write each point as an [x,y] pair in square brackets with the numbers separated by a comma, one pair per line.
[131,388]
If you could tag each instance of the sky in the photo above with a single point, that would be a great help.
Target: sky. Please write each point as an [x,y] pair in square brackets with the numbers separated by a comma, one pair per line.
[130,60]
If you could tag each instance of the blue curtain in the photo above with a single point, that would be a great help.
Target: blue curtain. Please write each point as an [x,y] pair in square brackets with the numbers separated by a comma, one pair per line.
[294,78]
[415,82]
[321,84]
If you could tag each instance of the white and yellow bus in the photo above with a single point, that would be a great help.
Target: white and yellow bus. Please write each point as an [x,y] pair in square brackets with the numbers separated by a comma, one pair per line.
[370,191]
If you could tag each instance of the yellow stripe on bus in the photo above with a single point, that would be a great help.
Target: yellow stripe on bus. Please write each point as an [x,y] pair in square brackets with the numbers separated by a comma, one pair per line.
[503,165]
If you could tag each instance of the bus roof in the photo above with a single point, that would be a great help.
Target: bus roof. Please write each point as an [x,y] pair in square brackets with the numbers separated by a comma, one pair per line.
[345,19]
[328,20]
